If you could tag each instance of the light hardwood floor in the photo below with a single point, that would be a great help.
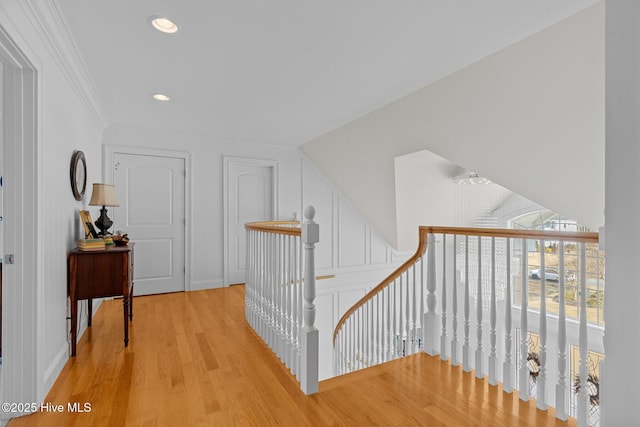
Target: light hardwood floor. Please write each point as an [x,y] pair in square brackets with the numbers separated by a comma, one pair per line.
[192,360]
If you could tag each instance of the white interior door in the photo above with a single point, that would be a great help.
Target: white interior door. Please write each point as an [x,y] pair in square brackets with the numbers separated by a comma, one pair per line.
[251,193]
[151,192]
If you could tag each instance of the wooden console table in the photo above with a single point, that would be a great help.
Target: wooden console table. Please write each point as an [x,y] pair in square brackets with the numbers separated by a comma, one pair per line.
[99,274]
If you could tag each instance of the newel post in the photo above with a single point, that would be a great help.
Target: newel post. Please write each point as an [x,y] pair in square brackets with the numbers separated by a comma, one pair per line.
[310,349]
[430,318]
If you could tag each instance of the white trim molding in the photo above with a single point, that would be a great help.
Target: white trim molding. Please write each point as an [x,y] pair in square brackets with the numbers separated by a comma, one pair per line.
[53,30]
[22,314]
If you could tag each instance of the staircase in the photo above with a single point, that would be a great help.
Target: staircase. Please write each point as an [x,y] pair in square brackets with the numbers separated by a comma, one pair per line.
[469,296]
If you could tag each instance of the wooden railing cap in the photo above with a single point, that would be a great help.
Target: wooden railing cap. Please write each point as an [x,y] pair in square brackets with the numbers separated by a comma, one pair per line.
[291,228]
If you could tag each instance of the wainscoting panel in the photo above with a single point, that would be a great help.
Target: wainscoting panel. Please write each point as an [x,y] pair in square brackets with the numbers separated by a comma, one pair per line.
[378,250]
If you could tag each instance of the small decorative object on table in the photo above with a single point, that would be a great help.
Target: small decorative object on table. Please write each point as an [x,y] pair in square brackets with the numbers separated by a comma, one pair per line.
[120,239]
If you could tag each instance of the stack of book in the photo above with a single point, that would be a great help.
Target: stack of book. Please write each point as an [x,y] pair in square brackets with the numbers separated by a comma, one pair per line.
[91,244]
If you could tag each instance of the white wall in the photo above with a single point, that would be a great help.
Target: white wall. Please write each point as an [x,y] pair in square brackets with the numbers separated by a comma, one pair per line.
[622,236]
[68,119]
[530,118]
[207,188]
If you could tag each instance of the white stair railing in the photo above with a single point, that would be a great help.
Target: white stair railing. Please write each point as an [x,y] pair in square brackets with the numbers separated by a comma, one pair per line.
[497,276]
[280,293]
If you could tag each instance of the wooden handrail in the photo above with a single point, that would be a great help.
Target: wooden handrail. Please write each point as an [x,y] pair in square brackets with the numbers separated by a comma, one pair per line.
[424,231]
[276,227]
[572,236]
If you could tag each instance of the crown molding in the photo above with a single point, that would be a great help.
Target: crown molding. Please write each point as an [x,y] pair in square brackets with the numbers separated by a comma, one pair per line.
[47,19]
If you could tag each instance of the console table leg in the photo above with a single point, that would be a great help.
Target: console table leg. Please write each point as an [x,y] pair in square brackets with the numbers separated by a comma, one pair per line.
[131,303]
[90,311]
[74,325]
[125,306]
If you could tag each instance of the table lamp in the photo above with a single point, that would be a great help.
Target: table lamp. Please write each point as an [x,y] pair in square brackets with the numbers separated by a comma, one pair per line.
[103,195]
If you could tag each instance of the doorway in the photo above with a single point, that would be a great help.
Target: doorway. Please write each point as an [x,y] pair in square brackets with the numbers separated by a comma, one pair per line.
[250,194]
[151,189]
[21,278]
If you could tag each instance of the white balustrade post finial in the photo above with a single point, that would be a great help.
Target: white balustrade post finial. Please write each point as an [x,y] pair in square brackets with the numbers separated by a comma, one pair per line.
[310,334]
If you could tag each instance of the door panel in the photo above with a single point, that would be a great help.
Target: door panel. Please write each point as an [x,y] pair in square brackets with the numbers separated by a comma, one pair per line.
[251,194]
[151,192]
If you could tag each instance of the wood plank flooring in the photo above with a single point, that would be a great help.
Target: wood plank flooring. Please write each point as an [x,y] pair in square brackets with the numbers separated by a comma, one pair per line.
[192,360]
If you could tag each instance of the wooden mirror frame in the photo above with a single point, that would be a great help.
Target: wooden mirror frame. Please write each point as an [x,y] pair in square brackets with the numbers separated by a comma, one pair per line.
[78,174]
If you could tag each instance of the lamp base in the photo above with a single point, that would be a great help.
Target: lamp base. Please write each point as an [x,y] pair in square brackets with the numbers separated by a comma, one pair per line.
[103,222]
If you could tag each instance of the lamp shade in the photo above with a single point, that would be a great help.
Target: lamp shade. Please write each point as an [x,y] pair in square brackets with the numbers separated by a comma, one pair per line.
[103,195]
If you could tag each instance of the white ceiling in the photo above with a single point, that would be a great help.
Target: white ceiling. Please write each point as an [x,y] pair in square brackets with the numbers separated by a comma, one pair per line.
[285,71]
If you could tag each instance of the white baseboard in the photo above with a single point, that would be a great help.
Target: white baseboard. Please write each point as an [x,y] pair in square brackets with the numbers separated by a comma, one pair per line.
[54,369]
[206,284]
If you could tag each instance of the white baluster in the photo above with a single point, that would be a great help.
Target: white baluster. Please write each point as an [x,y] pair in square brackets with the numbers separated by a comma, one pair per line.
[561,387]
[414,309]
[271,309]
[407,323]
[365,336]
[466,346]
[358,320]
[343,349]
[264,306]
[391,347]
[583,402]
[507,366]
[541,397]
[310,361]
[430,318]
[422,287]
[443,337]
[285,301]
[276,297]
[291,302]
[266,291]
[454,305]
[274,290]
[349,331]
[479,331]
[287,283]
[256,286]
[337,351]
[493,359]
[376,301]
[257,280]
[372,332]
[279,291]
[396,314]
[524,325]
[297,305]
[248,281]
[267,287]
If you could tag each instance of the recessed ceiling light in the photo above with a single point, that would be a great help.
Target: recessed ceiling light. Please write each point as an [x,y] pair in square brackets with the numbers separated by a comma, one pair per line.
[163,24]
[160,97]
